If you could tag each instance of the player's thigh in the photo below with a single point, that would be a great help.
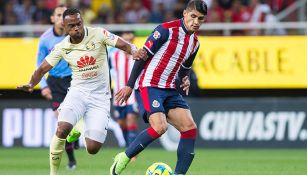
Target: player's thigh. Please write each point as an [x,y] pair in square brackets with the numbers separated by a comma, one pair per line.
[158,122]
[150,100]
[181,119]
[72,108]
[96,121]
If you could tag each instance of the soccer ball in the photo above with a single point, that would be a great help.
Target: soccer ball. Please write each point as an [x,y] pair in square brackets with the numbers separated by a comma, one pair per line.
[159,168]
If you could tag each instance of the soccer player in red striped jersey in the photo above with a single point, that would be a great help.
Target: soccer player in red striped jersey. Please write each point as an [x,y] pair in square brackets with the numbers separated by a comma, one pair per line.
[125,114]
[171,49]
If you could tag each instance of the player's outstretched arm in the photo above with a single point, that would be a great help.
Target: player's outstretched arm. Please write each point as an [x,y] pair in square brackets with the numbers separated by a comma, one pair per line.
[36,77]
[131,49]
[123,94]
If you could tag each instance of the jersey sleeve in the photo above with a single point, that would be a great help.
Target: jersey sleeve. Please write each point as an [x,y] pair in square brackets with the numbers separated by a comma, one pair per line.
[156,39]
[109,38]
[55,56]
[188,63]
[41,54]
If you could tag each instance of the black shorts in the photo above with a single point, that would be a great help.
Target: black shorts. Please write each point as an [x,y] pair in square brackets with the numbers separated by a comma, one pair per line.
[58,87]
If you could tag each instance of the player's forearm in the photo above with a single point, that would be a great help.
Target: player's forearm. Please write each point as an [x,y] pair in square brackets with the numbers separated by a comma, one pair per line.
[36,77]
[126,46]
[184,71]
[39,73]
[136,71]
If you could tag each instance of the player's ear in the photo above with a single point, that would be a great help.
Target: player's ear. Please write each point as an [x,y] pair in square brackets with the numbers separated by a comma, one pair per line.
[185,12]
[52,19]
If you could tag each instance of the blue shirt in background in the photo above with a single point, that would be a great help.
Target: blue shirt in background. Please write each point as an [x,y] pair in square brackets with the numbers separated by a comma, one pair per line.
[47,41]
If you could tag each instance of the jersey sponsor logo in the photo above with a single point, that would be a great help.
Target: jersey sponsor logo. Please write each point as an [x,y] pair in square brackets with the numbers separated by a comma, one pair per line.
[85,61]
[149,44]
[156,35]
[87,75]
[155,104]
[68,51]
[89,68]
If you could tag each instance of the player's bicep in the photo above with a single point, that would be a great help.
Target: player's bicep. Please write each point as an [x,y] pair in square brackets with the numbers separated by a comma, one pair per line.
[54,57]
[156,39]
[109,38]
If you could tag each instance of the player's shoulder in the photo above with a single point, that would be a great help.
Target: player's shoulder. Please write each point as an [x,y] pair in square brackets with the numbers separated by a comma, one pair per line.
[47,34]
[94,30]
[171,24]
[195,36]
[63,44]
[91,29]
[97,31]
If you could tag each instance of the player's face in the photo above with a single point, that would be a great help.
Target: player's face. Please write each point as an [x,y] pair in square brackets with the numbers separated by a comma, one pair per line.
[193,19]
[57,17]
[73,25]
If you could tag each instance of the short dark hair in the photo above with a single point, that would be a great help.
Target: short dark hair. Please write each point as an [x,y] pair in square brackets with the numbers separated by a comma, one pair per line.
[59,6]
[199,5]
[71,11]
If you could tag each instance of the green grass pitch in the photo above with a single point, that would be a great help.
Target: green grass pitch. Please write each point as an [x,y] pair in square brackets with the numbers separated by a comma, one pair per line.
[22,161]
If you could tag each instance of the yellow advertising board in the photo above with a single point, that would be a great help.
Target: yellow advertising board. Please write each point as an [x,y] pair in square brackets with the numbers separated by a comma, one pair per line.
[221,63]
[252,62]
[17,61]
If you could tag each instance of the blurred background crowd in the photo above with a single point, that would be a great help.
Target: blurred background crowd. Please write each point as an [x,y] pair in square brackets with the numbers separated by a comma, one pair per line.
[14,12]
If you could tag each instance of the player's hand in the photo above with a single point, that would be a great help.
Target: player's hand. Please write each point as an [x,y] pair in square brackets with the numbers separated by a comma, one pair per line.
[26,87]
[185,84]
[140,54]
[46,92]
[122,95]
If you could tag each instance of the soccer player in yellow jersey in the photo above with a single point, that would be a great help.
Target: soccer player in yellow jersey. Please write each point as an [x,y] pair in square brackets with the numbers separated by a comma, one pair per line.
[85,50]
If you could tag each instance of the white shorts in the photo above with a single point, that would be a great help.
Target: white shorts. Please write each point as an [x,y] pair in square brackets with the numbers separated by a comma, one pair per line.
[93,107]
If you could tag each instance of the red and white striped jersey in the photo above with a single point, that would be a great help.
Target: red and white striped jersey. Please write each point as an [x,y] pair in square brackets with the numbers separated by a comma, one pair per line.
[170,46]
[121,66]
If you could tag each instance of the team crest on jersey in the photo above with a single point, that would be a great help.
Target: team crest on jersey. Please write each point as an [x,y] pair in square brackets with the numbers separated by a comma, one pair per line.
[109,35]
[156,35]
[90,46]
[85,61]
[149,44]
[155,104]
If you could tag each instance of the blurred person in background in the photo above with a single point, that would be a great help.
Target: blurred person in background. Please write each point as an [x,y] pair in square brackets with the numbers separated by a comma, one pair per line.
[105,15]
[216,14]
[137,13]
[126,114]
[88,14]
[171,49]
[24,11]
[225,4]
[9,15]
[58,81]
[240,14]
[41,14]
[261,12]
[158,14]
